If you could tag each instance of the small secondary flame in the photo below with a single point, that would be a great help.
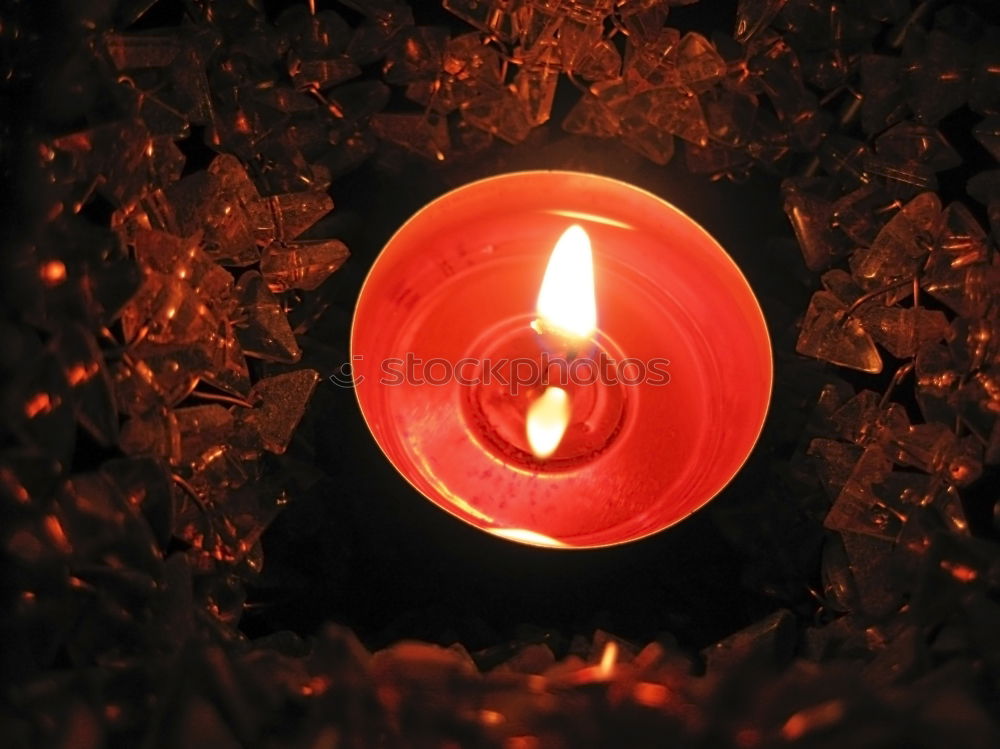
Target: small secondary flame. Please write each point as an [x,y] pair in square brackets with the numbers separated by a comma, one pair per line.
[547,420]
[566,301]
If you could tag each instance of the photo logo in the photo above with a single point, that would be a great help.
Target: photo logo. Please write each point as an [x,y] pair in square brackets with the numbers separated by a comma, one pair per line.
[514,374]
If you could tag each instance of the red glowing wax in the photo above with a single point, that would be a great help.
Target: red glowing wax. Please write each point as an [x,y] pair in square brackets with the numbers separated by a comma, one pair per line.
[459,281]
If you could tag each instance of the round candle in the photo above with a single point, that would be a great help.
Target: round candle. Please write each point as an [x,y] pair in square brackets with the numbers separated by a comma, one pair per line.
[511,420]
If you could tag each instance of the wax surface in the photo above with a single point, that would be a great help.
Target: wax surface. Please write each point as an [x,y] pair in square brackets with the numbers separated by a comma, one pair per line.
[472,261]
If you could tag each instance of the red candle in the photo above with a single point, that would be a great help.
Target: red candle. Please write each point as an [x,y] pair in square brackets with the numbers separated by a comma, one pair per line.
[598,407]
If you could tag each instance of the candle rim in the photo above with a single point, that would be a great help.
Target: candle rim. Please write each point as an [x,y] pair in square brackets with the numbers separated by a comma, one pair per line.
[527,173]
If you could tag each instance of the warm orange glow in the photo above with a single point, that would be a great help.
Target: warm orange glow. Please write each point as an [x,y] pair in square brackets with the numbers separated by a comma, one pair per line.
[547,420]
[566,301]
[608,658]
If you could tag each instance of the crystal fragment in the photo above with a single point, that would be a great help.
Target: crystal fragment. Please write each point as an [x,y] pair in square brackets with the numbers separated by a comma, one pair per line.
[987,132]
[752,16]
[311,75]
[883,101]
[495,17]
[500,112]
[386,19]
[937,382]
[962,237]
[858,509]
[262,326]
[425,135]
[902,330]
[314,36]
[650,64]
[535,85]
[861,214]
[590,116]
[280,402]
[772,638]
[811,216]
[643,20]
[844,158]
[910,142]
[416,54]
[902,244]
[674,111]
[89,381]
[152,375]
[835,462]
[168,310]
[699,66]
[301,265]
[934,448]
[602,62]
[729,116]
[827,335]
[936,72]
[984,89]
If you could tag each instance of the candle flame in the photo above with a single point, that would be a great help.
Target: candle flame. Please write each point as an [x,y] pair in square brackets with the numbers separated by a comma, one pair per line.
[608,658]
[566,301]
[547,420]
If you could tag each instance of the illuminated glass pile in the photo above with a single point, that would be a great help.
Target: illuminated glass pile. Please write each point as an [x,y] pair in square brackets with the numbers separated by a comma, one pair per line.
[155,307]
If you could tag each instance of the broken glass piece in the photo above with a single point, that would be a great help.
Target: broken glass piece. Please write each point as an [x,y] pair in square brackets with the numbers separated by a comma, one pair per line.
[314,36]
[643,20]
[902,244]
[729,115]
[858,509]
[535,84]
[936,70]
[811,216]
[937,382]
[602,62]
[844,158]
[167,310]
[935,449]
[639,134]
[987,132]
[962,237]
[650,64]
[494,17]
[590,116]
[38,408]
[280,402]
[699,66]
[882,102]
[828,336]
[672,110]
[227,369]
[309,75]
[218,202]
[262,325]
[153,375]
[301,265]
[835,461]
[902,330]
[717,161]
[354,102]
[753,16]
[500,112]
[386,19]
[985,186]
[861,214]
[910,142]
[864,420]
[426,135]
[89,381]
[965,289]
[416,54]
[984,90]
